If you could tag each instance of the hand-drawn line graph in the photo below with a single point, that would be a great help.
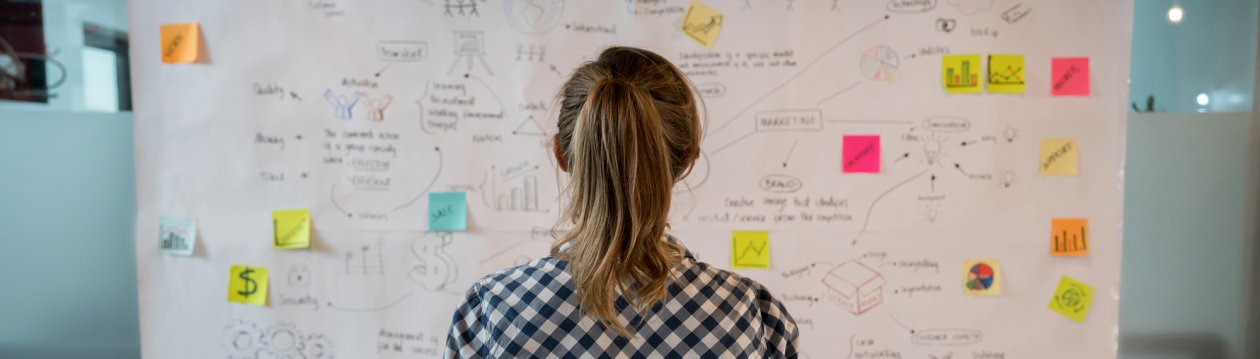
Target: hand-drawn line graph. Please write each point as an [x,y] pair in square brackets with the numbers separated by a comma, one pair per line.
[751,249]
[1010,75]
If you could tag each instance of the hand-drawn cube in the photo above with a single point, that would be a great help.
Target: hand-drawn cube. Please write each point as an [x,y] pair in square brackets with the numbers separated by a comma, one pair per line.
[857,286]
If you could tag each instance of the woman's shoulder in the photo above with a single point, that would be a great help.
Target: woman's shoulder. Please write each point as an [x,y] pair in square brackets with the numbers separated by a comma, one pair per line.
[706,277]
[543,272]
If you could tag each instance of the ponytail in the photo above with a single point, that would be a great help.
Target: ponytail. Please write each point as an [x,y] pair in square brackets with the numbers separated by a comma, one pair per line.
[628,131]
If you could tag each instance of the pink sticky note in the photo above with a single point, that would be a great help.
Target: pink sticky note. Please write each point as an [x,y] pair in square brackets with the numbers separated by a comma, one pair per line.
[861,154]
[1069,76]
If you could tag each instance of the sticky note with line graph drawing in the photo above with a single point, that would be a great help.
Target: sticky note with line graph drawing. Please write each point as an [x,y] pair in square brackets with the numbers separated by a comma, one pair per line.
[1069,236]
[292,228]
[750,249]
[1006,73]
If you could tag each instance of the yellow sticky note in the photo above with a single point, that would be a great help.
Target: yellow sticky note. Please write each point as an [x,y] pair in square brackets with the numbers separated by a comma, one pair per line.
[181,43]
[248,284]
[1072,299]
[702,24]
[1068,236]
[750,249]
[292,228]
[1006,73]
[1058,157]
[982,277]
[961,73]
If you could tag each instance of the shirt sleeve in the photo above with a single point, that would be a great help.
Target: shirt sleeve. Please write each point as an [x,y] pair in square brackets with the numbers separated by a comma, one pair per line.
[468,336]
[780,333]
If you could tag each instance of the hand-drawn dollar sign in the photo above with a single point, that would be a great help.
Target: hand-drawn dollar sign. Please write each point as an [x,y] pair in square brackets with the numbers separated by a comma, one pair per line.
[249,286]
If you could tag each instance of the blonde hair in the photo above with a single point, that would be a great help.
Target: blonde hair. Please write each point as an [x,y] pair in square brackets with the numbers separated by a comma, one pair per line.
[628,130]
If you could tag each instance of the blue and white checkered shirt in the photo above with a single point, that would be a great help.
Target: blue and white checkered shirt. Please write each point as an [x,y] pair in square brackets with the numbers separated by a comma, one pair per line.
[531,311]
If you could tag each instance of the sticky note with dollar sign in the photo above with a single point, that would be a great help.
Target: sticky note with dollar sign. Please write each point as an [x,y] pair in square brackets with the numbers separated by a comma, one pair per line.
[248,284]
[292,228]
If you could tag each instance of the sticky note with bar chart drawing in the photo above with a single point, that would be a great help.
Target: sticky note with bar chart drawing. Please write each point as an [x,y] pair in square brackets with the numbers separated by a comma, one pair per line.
[961,74]
[1068,236]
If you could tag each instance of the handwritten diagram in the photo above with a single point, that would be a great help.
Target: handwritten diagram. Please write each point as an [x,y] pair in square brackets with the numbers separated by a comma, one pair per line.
[896,172]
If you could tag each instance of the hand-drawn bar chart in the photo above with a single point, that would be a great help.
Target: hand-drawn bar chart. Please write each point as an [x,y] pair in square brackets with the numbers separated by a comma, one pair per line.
[1068,237]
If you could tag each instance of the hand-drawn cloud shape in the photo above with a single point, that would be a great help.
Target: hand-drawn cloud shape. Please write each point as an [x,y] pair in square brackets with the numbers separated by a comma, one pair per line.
[971,7]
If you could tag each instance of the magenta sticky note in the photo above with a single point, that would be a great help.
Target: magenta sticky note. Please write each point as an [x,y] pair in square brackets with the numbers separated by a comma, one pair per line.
[1069,76]
[861,154]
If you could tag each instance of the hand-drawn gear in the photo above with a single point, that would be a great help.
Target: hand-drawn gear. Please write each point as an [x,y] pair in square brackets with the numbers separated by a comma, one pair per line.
[316,346]
[282,340]
[242,340]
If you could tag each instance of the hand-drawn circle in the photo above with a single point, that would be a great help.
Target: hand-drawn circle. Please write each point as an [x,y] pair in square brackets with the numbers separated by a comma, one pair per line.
[1071,298]
[780,183]
[533,16]
[880,63]
[945,124]
[316,347]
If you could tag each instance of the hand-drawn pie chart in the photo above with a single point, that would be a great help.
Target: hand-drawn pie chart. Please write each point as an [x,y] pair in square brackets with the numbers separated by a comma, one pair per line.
[880,63]
[980,277]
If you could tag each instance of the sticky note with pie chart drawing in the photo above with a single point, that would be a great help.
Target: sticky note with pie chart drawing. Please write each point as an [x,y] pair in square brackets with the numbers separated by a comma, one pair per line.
[982,277]
[1072,299]
[860,154]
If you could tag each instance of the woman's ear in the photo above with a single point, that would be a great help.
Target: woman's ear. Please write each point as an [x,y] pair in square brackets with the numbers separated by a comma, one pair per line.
[559,152]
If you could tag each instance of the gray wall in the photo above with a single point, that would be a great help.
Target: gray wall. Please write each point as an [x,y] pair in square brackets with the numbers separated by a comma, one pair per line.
[67,211]
[1190,236]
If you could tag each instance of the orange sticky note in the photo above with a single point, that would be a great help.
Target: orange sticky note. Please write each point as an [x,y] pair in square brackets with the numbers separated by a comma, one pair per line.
[1068,236]
[181,43]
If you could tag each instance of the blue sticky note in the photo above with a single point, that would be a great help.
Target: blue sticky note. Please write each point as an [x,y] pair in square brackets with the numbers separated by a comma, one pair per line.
[177,235]
[448,211]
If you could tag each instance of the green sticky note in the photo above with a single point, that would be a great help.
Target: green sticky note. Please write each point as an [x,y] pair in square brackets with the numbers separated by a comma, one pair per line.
[448,211]
[292,228]
[750,249]
[1072,299]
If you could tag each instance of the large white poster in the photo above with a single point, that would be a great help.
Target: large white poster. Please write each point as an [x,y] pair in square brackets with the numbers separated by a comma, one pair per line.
[919,203]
